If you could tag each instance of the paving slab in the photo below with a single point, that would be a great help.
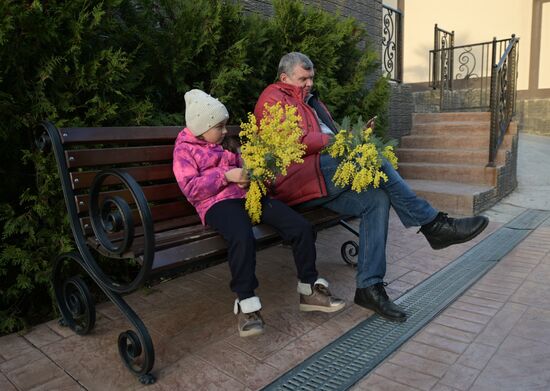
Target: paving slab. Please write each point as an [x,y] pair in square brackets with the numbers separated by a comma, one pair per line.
[493,337]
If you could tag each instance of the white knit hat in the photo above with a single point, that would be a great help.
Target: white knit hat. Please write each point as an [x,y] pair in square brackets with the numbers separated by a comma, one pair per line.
[202,111]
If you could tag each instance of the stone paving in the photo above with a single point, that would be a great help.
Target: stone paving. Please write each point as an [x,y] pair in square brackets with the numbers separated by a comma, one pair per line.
[194,330]
[496,336]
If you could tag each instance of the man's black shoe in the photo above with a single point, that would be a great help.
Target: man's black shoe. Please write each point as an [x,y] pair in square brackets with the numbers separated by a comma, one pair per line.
[375,298]
[444,231]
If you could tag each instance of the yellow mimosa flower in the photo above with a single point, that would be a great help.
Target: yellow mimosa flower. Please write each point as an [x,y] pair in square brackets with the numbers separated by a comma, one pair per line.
[361,153]
[267,150]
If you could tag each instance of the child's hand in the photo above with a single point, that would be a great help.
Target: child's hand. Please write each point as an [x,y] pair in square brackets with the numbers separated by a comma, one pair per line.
[237,175]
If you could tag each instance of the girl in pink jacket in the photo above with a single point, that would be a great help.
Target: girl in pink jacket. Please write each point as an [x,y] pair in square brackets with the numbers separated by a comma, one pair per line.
[213,181]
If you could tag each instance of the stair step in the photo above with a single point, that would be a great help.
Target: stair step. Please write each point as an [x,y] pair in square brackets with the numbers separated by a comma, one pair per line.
[453,156]
[445,142]
[452,128]
[451,142]
[461,173]
[432,155]
[419,118]
[451,197]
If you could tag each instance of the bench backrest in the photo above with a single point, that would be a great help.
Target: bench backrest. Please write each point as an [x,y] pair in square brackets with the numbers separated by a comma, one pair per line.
[143,152]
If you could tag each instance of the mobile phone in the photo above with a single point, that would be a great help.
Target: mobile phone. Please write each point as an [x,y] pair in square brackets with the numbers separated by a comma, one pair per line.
[370,122]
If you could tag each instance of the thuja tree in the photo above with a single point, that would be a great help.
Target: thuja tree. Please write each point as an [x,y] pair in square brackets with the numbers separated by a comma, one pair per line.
[130,62]
[342,56]
[56,62]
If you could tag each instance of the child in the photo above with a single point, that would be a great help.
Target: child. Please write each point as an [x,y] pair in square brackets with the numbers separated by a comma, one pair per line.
[214,183]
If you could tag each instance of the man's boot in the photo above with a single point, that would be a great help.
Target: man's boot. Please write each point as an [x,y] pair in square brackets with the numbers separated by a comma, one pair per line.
[375,298]
[444,231]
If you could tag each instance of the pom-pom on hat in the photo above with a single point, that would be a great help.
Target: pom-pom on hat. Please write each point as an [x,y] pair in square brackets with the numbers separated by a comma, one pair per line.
[202,111]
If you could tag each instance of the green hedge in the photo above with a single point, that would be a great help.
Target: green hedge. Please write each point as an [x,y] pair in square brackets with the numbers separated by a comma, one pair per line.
[129,62]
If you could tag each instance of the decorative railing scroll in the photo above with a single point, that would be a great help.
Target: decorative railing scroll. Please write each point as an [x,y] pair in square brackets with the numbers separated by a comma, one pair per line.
[392,43]
[503,94]
[484,79]
[442,58]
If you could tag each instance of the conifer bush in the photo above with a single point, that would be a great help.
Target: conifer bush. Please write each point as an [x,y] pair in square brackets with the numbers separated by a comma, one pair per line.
[129,62]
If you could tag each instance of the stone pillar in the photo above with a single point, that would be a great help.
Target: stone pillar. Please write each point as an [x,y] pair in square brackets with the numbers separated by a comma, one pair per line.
[401,108]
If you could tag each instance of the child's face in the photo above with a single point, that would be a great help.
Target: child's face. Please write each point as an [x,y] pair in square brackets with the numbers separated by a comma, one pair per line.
[215,134]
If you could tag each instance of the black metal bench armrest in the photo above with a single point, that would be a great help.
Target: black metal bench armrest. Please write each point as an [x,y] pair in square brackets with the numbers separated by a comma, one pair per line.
[113,215]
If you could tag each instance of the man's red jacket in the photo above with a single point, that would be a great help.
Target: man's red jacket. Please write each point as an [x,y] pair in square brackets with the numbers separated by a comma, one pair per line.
[304,181]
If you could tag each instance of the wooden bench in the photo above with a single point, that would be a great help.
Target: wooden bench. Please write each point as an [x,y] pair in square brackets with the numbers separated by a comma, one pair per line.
[124,204]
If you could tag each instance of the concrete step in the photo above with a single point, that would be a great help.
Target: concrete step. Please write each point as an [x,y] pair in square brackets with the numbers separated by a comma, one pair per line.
[452,156]
[451,197]
[457,128]
[474,116]
[451,142]
[452,128]
[461,173]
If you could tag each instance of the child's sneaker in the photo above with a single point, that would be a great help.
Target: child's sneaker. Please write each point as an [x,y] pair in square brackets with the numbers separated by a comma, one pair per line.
[249,320]
[319,297]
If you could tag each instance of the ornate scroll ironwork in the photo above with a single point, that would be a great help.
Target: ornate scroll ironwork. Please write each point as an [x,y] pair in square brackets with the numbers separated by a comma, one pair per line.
[442,59]
[468,63]
[349,251]
[108,216]
[73,297]
[503,94]
[392,58]
[466,85]
[112,215]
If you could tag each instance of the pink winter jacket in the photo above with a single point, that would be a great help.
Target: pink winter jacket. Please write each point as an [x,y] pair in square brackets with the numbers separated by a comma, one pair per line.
[199,168]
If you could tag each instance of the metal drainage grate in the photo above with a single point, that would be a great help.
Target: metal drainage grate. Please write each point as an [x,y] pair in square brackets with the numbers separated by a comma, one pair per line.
[353,355]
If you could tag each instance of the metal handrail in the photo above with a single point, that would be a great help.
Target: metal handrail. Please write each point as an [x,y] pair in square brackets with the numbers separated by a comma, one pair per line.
[471,45]
[487,71]
[441,61]
[503,96]
[507,50]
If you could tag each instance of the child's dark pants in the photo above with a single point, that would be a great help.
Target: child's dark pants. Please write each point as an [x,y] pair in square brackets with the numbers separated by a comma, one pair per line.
[231,220]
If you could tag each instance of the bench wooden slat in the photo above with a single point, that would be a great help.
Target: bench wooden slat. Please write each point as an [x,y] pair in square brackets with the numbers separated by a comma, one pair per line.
[160,226]
[163,239]
[183,230]
[167,191]
[118,134]
[194,233]
[176,256]
[83,179]
[99,157]
[215,246]
[159,213]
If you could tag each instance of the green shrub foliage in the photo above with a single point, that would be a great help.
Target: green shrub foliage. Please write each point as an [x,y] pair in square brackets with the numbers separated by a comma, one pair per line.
[129,62]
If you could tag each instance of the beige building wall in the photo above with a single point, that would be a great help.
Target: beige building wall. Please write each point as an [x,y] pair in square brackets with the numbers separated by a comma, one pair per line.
[473,21]
[544,65]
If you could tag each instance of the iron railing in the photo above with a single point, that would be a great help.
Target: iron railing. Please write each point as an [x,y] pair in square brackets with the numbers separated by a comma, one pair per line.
[442,57]
[503,94]
[392,43]
[483,78]
[463,74]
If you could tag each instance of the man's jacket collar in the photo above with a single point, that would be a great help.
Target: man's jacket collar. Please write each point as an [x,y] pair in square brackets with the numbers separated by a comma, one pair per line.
[295,92]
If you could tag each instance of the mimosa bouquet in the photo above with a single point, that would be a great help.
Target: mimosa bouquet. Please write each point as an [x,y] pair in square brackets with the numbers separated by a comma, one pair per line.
[361,153]
[268,150]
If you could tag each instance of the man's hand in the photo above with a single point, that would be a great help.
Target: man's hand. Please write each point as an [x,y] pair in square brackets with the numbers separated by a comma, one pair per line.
[371,122]
[237,175]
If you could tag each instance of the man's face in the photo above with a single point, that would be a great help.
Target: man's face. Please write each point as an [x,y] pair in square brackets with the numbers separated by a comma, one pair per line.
[300,77]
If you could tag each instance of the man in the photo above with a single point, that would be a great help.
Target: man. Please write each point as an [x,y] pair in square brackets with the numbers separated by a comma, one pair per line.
[311,184]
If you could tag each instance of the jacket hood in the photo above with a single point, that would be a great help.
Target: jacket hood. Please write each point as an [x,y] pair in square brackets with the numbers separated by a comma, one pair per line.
[185,136]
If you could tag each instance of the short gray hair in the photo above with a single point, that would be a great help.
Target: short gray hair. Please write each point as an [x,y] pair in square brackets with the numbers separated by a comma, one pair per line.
[290,60]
